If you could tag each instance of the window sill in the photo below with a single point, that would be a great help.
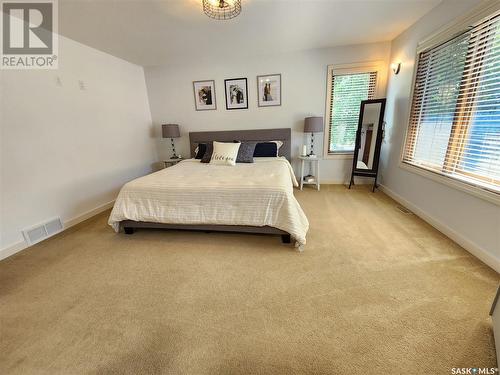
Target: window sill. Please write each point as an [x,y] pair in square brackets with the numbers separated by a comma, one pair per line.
[339,155]
[456,184]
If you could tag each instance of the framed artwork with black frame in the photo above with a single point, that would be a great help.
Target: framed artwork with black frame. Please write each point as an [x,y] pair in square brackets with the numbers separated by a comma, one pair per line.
[204,95]
[269,90]
[236,93]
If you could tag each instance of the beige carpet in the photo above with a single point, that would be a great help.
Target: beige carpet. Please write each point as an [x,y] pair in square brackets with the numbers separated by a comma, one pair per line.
[375,292]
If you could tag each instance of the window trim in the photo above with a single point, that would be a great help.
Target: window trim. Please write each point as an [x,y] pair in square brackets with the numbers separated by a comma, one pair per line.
[351,68]
[457,184]
[444,34]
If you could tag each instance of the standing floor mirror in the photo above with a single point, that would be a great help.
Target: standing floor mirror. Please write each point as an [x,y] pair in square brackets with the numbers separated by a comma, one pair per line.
[368,140]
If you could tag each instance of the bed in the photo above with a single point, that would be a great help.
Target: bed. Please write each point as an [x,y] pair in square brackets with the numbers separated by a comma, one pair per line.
[248,197]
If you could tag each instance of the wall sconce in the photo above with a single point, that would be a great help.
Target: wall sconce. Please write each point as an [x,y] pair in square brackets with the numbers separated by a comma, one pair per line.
[396,67]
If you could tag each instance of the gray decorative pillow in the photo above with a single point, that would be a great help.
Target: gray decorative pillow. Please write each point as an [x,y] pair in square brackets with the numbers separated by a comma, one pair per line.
[245,153]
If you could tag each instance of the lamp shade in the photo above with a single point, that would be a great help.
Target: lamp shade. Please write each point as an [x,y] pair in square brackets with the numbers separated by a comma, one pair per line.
[313,124]
[170,131]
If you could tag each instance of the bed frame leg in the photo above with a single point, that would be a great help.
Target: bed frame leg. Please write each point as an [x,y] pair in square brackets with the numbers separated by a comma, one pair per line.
[285,238]
[128,230]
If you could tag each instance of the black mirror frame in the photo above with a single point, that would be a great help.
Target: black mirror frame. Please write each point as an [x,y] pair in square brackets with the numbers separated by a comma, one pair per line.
[378,144]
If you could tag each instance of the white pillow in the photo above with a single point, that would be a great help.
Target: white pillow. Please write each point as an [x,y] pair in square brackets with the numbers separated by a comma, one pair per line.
[278,146]
[225,153]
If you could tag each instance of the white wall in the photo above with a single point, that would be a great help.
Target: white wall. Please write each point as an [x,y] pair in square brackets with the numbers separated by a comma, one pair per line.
[471,221]
[303,73]
[66,151]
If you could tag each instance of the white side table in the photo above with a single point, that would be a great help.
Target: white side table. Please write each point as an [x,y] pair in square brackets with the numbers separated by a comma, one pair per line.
[314,164]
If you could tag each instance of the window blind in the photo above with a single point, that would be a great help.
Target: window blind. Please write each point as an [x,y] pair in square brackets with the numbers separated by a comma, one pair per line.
[454,126]
[347,92]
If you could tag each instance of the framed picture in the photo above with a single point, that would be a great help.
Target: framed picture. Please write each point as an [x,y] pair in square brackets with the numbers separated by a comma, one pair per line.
[204,95]
[236,93]
[269,90]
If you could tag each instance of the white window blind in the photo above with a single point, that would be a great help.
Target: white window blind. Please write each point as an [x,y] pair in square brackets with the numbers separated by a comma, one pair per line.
[347,92]
[454,127]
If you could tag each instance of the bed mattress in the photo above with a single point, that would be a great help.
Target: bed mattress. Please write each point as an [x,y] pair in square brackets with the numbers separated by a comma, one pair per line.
[253,194]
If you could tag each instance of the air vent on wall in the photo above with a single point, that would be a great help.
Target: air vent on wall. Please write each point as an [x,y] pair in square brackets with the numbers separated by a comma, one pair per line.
[404,210]
[42,231]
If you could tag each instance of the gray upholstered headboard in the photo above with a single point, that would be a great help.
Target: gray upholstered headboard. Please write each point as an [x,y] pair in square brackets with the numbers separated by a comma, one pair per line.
[283,134]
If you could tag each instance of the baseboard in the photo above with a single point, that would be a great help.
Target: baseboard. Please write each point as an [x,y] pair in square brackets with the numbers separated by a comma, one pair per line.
[12,249]
[331,182]
[468,245]
[87,215]
[344,182]
[21,245]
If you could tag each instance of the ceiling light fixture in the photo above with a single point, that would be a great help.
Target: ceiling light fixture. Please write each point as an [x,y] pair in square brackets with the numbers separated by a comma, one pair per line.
[222,9]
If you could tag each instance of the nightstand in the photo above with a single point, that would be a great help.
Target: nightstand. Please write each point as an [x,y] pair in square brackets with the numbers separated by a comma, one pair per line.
[170,162]
[314,165]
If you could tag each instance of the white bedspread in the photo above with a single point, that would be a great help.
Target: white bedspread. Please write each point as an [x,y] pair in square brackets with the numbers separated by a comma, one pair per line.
[191,192]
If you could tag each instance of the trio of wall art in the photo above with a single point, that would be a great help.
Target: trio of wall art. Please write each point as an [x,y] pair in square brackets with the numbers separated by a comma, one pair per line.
[268,93]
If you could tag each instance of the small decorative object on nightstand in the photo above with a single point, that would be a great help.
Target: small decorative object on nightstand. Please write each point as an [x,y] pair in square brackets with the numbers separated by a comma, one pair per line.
[309,179]
[170,162]
[171,131]
[313,125]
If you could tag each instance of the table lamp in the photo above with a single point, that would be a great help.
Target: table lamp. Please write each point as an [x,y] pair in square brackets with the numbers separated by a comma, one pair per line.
[313,125]
[171,131]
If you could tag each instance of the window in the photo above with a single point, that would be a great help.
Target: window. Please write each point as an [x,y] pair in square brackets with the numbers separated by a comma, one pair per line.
[454,125]
[346,89]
